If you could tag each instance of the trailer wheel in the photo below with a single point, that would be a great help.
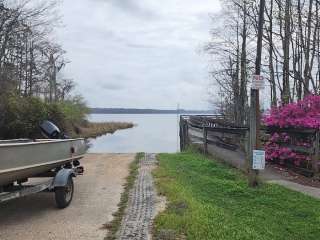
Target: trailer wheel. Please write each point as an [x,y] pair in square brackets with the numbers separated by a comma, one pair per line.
[64,194]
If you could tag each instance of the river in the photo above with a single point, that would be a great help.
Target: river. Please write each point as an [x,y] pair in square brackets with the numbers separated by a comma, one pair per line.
[153,133]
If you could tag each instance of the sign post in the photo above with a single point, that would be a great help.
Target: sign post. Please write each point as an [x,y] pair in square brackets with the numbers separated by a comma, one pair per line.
[255,104]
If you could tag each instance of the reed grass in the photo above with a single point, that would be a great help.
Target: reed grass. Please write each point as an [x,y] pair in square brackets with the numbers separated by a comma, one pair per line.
[94,129]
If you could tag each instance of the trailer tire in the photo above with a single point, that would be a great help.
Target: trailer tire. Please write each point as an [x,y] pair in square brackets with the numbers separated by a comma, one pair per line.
[64,194]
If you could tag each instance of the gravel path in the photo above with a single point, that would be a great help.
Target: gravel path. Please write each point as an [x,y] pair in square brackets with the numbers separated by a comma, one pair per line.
[97,194]
[142,204]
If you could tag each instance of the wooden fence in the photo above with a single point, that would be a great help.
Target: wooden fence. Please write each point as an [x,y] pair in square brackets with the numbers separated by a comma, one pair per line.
[217,136]
[231,143]
[310,150]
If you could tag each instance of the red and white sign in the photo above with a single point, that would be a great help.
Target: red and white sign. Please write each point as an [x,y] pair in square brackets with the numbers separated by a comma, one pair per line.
[258,82]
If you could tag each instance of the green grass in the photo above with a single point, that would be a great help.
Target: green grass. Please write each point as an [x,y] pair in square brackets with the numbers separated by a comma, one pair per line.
[207,200]
[115,224]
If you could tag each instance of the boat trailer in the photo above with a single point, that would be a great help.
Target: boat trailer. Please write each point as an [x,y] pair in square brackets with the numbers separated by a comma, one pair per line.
[51,164]
[60,182]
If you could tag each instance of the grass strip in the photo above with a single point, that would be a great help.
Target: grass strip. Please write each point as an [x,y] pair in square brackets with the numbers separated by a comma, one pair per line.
[115,224]
[208,200]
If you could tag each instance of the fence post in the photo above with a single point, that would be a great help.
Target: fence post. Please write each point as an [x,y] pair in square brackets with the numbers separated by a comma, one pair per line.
[315,158]
[205,142]
[186,134]
[181,133]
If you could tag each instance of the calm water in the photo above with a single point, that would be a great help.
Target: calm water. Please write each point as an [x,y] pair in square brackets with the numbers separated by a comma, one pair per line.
[153,133]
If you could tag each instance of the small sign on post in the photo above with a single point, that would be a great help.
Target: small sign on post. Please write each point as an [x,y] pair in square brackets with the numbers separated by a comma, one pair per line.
[258,82]
[259,160]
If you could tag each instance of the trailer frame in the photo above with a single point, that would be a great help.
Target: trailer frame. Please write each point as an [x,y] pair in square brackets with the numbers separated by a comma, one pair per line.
[59,180]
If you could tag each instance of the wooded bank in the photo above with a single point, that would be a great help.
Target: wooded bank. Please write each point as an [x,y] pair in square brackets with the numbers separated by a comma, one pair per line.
[32,85]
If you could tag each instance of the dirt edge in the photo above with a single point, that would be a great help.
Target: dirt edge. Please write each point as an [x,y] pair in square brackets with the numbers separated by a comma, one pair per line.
[115,224]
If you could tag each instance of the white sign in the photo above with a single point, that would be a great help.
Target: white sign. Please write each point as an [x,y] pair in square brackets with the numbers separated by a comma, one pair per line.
[259,160]
[258,82]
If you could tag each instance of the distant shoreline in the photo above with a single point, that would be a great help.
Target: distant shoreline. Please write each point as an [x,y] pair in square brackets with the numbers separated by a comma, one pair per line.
[145,111]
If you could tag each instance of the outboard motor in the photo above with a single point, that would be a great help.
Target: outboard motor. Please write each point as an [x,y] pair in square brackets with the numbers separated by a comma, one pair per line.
[51,131]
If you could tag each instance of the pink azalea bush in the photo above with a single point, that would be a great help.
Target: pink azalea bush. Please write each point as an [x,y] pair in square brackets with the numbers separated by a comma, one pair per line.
[302,114]
[283,155]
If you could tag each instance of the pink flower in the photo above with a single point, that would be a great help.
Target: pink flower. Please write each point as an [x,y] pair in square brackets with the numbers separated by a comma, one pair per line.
[305,113]
[302,114]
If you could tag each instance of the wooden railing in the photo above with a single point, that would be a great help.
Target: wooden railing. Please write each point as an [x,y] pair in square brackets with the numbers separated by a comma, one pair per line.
[211,130]
[217,137]
[215,133]
[308,168]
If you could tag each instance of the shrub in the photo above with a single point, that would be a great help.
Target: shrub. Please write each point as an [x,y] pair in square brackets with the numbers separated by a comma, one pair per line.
[302,114]
[21,116]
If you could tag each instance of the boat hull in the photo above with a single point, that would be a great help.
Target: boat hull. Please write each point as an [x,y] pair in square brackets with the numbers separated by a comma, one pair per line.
[25,159]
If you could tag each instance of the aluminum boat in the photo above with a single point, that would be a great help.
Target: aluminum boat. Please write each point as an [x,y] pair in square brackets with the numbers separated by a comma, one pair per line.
[22,159]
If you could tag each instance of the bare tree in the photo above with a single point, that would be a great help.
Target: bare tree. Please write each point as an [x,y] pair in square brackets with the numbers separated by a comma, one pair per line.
[29,61]
[291,54]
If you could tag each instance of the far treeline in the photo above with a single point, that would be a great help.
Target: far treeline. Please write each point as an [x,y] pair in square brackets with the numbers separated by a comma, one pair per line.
[144,111]
[291,52]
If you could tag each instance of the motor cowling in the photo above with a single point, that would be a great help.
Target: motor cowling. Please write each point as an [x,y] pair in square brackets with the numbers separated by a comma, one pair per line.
[50,130]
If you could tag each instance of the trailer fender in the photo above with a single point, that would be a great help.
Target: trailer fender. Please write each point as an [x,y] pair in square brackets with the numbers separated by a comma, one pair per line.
[61,179]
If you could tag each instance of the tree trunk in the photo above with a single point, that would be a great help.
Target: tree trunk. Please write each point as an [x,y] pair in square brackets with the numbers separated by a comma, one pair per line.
[286,50]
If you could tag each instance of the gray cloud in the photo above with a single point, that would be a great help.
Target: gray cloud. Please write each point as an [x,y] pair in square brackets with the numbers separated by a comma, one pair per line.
[134,7]
[138,53]
[137,45]
[112,86]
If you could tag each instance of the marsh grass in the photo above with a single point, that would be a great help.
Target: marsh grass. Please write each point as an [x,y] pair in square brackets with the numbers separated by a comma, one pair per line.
[93,130]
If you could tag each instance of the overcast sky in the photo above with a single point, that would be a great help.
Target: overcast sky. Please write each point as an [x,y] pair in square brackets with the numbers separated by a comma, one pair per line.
[138,53]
